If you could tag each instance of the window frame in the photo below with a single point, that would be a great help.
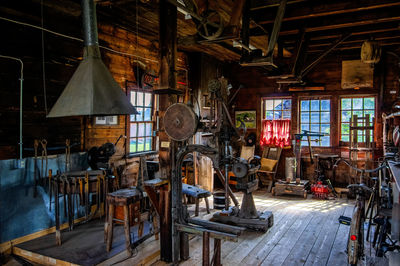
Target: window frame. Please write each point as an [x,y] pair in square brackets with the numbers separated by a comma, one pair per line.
[264,107]
[320,98]
[375,96]
[130,87]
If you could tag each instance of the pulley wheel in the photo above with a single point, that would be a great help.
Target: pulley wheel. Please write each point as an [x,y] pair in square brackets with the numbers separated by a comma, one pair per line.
[240,169]
[180,122]
[212,25]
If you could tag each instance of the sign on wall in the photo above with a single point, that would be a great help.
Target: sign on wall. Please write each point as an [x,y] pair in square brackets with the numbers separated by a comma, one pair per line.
[356,74]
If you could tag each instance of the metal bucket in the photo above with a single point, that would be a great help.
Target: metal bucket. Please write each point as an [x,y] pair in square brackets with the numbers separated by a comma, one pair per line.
[290,168]
[219,199]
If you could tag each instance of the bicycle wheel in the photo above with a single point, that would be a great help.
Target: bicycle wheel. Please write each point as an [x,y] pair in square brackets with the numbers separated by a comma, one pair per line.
[355,241]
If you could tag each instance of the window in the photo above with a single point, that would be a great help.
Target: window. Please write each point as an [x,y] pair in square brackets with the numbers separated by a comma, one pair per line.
[141,125]
[315,116]
[359,106]
[275,109]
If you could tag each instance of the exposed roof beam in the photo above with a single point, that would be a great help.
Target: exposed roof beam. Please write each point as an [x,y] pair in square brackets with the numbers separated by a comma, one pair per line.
[261,4]
[338,23]
[325,9]
[356,47]
[376,34]
[354,41]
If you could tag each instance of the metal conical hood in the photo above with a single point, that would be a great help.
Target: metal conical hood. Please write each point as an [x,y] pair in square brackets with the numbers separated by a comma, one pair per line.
[92,90]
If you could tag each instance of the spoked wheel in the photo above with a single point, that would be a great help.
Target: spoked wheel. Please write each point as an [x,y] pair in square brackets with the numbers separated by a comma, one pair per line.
[355,244]
[212,26]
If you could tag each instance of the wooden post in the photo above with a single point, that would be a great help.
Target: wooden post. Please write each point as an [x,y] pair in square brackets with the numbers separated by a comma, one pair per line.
[127,230]
[169,244]
[110,226]
[206,248]
[217,252]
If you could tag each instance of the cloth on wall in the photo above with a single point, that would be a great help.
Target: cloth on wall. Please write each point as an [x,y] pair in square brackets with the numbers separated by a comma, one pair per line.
[275,132]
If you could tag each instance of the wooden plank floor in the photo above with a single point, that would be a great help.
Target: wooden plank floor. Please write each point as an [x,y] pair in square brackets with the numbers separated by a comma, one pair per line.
[305,232]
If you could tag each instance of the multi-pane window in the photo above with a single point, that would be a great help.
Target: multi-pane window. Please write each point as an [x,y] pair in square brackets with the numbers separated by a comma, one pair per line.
[141,125]
[275,109]
[360,106]
[315,116]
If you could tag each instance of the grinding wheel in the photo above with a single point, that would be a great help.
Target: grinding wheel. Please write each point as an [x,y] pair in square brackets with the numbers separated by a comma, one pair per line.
[180,122]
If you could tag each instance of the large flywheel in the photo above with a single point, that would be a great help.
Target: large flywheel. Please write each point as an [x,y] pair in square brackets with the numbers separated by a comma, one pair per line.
[180,122]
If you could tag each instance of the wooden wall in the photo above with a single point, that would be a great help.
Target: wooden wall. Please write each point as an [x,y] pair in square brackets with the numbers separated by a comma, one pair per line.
[61,58]
[328,72]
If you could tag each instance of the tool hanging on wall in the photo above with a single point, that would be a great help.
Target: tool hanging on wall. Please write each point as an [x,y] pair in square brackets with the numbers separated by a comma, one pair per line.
[67,155]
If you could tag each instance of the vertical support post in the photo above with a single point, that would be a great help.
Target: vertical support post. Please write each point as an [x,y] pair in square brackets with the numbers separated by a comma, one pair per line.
[184,248]
[206,248]
[217,252]
[246,27]
[169,244]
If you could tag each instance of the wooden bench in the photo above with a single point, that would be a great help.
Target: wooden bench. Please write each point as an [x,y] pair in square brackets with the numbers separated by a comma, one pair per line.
[198,194]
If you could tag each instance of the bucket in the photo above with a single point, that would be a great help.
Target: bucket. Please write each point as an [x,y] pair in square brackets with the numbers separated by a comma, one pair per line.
[290,168]
[219,199]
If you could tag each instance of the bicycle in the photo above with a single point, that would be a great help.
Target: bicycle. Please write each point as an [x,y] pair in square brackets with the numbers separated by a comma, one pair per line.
[355,243]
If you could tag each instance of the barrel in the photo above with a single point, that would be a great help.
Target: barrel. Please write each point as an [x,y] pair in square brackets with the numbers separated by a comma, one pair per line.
[290,168]
[219,199]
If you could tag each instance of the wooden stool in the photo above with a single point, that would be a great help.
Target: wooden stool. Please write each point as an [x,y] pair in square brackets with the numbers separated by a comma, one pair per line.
[124,198]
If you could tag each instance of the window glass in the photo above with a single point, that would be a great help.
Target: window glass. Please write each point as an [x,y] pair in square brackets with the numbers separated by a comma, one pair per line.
[277,109]
[141,134]
[360,106]
[315,116]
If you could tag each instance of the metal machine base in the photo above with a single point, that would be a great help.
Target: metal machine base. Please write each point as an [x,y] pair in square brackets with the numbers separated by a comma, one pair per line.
[264,221]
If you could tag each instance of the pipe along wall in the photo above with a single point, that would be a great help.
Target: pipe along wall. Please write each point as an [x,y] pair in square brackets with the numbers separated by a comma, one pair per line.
[20,212]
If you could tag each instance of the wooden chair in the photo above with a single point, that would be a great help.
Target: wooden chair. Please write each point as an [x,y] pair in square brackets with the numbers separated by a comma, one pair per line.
[268,177]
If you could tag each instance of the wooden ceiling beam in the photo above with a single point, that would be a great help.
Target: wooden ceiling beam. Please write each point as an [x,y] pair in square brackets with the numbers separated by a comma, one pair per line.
[324,9]
[262,4]
[359,41]
[396,43]
[377,34]
[328,24]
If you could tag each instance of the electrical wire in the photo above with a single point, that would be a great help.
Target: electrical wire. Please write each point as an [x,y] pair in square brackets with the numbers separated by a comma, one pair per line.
[76,39]
[43,60]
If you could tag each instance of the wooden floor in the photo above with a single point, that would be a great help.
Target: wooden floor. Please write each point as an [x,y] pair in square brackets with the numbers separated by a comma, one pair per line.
[305,232]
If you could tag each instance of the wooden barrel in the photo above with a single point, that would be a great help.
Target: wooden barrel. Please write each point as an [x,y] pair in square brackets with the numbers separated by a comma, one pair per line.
[219,199]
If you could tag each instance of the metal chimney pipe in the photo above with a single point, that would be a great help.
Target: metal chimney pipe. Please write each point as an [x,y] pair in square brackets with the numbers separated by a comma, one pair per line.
[90,35]
[91,90]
